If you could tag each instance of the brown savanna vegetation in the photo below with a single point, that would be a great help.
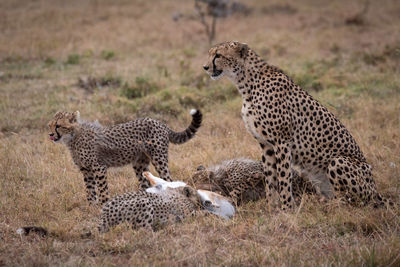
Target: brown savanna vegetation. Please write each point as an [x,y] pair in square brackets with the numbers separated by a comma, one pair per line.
[119,60]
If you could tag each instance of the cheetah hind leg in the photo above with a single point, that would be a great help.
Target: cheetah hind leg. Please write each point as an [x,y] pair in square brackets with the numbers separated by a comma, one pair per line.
[141,165]
[270,179]
[353,180]
[159,160]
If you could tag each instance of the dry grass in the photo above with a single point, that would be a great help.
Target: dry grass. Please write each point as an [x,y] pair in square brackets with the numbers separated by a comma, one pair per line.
[352,69]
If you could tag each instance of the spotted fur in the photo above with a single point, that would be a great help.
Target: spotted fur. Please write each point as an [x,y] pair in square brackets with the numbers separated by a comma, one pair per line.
[293,129]
[243,180]
[95,148]
[150,210]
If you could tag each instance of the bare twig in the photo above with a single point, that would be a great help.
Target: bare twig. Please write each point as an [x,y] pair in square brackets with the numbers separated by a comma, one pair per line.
[216,9]
[202,18]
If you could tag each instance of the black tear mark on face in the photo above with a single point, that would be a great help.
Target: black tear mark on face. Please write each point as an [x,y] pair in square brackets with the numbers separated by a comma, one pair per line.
[58,134]
[216,72]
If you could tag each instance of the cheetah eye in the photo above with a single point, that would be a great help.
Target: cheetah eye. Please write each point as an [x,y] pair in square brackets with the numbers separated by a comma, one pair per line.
[59,126]
[217,56]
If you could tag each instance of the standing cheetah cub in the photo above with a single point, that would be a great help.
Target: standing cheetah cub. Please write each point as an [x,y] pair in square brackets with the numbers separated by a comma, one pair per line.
[95,148]
[243,180]
[293,129]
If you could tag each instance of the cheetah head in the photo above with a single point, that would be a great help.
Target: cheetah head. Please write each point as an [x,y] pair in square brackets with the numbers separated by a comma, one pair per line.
[203,175]
[191,194]
[63,125]
[226,59]
[206,179]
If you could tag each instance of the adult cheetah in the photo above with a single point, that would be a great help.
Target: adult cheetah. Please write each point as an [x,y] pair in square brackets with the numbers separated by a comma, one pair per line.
[293,129]
[95,148]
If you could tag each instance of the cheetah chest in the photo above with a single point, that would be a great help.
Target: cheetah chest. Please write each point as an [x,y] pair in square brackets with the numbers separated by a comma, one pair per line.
[250,122]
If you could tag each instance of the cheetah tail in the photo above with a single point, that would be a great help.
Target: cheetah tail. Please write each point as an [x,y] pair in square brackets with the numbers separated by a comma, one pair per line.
[32,229]
[184,136]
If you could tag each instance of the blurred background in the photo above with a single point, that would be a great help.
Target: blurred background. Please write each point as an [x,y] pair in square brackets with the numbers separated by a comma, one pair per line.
[116,60]
[141,57]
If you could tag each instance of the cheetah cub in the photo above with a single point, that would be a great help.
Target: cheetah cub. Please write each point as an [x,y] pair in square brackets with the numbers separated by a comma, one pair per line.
[150,210]
[95,148]
[163,203]
[293,130]
[243,180]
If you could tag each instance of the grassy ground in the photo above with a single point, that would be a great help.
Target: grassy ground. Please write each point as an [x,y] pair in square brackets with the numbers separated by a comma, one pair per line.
[134,60]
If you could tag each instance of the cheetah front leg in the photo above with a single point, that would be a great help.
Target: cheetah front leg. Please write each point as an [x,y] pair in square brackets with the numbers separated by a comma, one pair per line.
[100,173]
[90,183]
[106,219]
[269,167]
[283,171]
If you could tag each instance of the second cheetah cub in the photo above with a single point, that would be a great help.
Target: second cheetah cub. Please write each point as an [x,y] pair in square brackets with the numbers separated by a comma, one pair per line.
[243,180]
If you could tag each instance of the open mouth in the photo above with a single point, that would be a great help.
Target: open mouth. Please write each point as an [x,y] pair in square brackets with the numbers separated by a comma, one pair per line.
[54,138]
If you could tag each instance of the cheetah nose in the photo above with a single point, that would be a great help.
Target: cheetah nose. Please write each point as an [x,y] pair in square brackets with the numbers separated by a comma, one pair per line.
[205,67]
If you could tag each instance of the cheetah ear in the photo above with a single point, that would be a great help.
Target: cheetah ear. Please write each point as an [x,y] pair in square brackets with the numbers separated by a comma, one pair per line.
[75,116]
[242,49]
[58,113]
